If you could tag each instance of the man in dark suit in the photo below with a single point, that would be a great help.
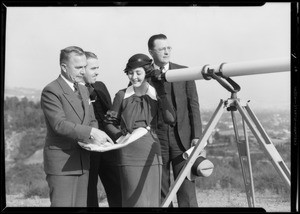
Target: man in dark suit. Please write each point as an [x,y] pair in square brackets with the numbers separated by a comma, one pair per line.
[69,118]
[188,128]
[102,163]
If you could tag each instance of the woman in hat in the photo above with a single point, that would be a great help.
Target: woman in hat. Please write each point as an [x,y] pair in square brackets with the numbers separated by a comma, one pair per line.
[133,107]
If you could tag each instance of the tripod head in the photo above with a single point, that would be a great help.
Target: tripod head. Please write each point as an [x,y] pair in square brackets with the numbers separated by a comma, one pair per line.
[229,84]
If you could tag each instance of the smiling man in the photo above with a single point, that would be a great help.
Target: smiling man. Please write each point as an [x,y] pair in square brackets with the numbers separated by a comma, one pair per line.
[102,163]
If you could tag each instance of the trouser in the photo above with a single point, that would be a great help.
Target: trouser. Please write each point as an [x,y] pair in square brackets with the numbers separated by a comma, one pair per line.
[110,178]
[68,190]
[172,150]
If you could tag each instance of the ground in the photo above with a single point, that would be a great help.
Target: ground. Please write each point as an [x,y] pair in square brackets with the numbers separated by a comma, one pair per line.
[206,198]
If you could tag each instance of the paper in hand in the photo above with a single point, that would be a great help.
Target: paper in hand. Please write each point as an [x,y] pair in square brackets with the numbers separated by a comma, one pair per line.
[120,142]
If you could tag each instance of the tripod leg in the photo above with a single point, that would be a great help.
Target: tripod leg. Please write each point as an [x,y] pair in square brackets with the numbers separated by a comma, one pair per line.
[245,160]
[265,141]
[202,142]
[250,187]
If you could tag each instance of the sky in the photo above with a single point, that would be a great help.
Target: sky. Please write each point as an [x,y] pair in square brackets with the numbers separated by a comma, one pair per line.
[198,36]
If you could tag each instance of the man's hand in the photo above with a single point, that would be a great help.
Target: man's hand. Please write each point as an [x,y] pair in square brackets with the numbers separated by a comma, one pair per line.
[158,82]
[100,136]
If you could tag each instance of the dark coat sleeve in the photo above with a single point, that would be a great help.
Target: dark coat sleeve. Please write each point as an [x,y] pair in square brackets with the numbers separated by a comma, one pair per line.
[167,110]
[113,117]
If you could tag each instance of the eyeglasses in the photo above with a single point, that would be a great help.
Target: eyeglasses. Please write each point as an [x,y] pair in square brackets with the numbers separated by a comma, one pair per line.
[160,50]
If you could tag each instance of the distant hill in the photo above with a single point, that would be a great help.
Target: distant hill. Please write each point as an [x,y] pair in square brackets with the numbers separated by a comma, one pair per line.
[205,103]
[20,92]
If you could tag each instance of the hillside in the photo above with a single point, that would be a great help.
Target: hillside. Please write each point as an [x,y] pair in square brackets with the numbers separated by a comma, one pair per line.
[25,178]
[20,92]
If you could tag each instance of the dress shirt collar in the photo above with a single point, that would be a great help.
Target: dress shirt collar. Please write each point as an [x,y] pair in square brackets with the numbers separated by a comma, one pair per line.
[71,84]
[166,67]
[151,92]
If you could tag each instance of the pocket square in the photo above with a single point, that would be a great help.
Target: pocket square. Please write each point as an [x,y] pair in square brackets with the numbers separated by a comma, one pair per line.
[91,101]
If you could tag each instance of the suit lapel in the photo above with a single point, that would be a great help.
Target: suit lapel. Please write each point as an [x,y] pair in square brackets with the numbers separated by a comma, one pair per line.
[101,96]
[104,99]
[70,97]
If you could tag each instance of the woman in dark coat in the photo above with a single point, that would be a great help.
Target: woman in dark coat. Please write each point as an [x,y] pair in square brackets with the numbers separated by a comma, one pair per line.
[138,106]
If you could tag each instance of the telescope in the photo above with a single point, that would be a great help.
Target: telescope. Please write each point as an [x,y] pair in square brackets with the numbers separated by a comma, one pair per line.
[222,73]
[229,69]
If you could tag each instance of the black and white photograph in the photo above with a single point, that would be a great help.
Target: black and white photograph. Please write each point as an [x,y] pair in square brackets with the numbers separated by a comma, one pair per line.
[148,106]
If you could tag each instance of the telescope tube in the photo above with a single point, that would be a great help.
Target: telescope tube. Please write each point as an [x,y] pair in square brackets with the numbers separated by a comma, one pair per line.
[230,69]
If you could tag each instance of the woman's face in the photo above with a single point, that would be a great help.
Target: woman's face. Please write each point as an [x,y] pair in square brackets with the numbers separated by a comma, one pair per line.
[137,76]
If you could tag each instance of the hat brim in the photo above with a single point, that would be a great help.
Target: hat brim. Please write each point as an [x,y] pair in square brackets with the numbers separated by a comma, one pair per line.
[136,64]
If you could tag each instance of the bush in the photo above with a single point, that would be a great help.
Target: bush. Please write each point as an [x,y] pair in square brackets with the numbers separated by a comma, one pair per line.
[22,114]
[20,178]
[235,163]
[40,189]
[30,180]
[267,178]
[30,143]
[215,152]
[223,175]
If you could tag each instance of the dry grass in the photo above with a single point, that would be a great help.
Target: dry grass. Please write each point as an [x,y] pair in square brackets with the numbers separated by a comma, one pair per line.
[206,198]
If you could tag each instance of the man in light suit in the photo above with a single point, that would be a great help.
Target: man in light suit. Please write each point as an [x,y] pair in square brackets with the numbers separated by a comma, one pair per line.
[69,118]
[188,128]
[102,164]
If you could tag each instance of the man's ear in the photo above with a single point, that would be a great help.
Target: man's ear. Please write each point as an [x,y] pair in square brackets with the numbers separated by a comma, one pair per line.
[150,52]
[63,67]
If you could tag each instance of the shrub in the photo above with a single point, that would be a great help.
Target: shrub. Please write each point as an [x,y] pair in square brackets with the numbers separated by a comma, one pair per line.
[227,173]
[267,178]
[12,189]
[31,142]
[40,189]
[22,177]
[235,163]
[223,175]
[215,152]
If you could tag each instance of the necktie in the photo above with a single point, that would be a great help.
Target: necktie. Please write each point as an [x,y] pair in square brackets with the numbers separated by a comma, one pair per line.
[91,90]
[76,90]
[170,90]
[89,87]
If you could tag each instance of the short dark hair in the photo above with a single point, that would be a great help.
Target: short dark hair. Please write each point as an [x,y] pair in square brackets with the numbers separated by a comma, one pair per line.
[90,55]
[65,53]
[153,38]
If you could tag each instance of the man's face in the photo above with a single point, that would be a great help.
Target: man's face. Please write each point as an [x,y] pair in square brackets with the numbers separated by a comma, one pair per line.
[161,52]
[91,70]
[74,68]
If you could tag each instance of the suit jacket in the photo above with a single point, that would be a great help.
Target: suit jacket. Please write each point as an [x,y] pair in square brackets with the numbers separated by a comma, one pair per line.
[102,103]
[188,118]
[68,121]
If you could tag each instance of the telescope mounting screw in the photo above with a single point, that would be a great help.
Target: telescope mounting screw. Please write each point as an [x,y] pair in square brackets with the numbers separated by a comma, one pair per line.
[206,76]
